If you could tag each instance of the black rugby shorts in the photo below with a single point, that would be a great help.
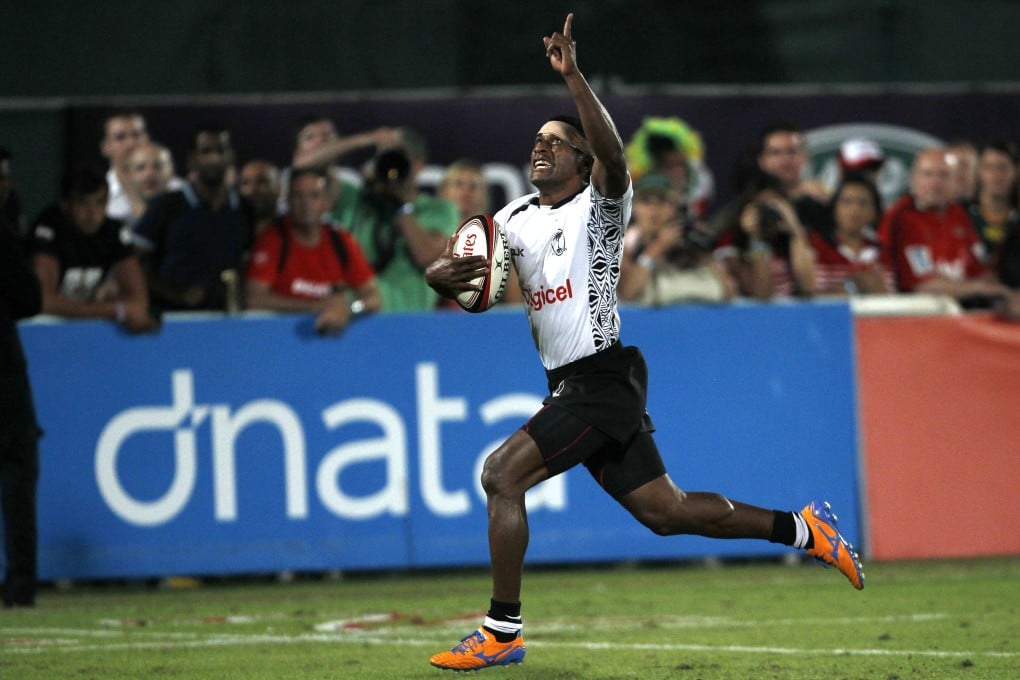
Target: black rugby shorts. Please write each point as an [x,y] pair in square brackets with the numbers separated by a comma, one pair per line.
[565,440]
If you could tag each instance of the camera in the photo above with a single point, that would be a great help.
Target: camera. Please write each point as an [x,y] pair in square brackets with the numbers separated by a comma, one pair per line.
[391,167]
[770,224]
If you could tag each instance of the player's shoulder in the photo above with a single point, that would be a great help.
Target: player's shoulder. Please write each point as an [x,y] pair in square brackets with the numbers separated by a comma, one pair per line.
[505,214]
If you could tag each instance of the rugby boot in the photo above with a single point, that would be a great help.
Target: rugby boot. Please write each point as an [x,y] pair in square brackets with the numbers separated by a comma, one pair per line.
[480,650]
[829,545]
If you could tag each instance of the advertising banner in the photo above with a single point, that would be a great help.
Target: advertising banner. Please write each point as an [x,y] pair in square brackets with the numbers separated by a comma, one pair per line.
[250,444]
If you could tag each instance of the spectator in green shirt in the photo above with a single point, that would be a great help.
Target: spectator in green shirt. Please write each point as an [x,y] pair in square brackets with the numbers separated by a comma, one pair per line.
[400,229]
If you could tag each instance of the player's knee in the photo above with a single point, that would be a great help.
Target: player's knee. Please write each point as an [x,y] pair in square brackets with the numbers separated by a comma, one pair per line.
[496,479]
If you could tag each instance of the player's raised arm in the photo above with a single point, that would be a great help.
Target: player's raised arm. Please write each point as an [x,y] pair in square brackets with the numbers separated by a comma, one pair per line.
[609,172]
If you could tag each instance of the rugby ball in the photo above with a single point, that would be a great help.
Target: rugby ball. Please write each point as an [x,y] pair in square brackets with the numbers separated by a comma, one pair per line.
[481,235]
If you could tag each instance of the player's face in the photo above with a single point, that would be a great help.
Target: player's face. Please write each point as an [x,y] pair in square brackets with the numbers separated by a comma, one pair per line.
[554,157]
[308,200]
[855,209]
[87,212]
[931,181]
[783,156]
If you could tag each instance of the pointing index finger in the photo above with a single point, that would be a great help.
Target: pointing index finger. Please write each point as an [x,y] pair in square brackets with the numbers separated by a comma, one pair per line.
[566,25]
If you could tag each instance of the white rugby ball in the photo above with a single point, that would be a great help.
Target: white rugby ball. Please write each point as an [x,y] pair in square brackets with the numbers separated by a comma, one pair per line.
[481,235]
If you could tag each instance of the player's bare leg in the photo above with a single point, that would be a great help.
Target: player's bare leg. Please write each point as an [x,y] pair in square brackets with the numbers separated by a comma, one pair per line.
[665,509]
[512,469]
[662,507]
[509,472]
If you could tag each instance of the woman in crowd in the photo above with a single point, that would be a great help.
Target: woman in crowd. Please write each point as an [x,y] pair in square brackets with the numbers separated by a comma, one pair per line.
[849,259]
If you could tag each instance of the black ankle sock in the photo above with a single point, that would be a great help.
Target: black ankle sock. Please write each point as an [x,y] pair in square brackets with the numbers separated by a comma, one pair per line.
[504,611]
[784,530]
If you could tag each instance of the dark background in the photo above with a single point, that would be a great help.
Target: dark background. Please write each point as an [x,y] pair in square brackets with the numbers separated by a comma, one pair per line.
[364,61]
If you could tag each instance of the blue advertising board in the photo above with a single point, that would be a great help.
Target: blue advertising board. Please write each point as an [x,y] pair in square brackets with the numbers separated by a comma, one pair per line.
[249,444]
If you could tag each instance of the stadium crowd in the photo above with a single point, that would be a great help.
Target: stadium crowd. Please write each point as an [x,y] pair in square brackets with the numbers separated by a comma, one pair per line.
[137,239]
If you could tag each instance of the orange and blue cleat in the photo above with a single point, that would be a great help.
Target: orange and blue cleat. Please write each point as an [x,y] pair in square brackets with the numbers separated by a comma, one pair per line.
[480,650]
[829,545]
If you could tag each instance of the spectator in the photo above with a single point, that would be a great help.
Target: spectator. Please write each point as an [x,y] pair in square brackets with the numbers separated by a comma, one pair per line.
[765,248]
[259,182]
[123,130]
[194,241]
[781,154]
[931,239]
[849,259]
[317,145]
[963,161]
[151,168]
[11,216]
[300,264]
[861,156]
[660,265]
[401,229]
[464,186]
[994,211]
[668,146]
[76,247]
[20,298]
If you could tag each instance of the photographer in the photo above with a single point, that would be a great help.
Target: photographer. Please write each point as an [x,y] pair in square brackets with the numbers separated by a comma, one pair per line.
[400,229]
[667,255]
[766,250]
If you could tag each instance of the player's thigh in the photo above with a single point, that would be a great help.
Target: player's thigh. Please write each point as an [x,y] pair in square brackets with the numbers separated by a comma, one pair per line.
[514,467]
[564,439]
[621,470]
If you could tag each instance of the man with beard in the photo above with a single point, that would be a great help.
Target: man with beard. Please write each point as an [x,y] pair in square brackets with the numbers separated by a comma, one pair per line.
[195,241]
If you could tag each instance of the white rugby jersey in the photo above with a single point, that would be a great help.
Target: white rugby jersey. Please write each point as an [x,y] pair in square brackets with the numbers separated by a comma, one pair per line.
[567,258]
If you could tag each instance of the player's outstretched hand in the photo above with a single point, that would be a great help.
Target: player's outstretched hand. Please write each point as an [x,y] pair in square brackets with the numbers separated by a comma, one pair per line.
[449,275]
[560,48]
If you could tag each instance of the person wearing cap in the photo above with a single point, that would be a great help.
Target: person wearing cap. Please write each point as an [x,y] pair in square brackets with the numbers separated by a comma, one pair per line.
[861,156]
[662,263]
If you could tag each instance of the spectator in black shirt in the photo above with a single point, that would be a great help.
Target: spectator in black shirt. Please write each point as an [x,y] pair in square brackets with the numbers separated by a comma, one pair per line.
[85,268]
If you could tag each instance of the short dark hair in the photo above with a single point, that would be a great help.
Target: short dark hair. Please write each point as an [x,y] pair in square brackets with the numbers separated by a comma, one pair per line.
[778,126]
[117,113]
[1005,147]
[857,179]
[204,128]
[82,180]
[318,173]
[310,118]
[572,121]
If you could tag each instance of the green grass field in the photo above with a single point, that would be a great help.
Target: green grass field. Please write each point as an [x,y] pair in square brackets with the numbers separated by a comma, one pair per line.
[917,620]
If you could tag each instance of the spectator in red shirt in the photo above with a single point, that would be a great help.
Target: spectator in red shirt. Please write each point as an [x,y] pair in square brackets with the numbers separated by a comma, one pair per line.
[302,264]
[849,260]
[931,238]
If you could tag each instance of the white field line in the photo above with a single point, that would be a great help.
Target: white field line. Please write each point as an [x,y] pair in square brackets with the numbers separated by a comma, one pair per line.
[26,640]
[236,640]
